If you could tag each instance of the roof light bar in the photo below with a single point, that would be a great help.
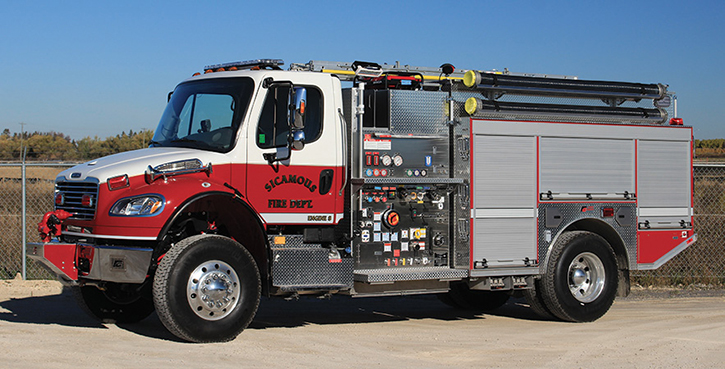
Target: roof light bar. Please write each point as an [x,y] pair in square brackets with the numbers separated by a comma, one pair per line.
[248,64]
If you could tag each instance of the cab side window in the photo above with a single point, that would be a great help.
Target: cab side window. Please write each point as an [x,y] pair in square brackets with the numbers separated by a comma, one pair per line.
[275,109]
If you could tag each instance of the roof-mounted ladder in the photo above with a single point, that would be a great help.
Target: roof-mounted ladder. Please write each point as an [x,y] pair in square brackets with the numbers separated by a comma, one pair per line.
[346,72]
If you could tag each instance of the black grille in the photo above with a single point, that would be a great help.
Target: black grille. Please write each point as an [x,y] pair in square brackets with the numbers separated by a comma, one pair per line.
[72,196]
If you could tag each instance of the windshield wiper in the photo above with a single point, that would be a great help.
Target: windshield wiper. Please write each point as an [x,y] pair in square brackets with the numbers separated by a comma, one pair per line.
[152,142]
[184,139]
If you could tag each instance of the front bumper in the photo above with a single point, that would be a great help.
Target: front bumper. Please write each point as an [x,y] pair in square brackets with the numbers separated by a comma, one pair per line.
[72,262]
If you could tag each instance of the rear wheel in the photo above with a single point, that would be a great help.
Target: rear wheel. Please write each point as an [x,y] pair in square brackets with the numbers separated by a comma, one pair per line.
[462,297]
[581,278]
[115,303]
[207,289]
[536,301]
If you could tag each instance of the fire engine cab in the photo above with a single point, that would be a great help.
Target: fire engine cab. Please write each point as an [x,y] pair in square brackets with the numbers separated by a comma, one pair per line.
[369,180]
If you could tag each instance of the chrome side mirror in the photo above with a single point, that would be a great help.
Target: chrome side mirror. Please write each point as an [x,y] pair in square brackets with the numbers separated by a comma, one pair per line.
[298,140]
[300,103]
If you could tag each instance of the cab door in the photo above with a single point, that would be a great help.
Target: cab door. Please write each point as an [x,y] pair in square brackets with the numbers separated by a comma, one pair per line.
[301,186]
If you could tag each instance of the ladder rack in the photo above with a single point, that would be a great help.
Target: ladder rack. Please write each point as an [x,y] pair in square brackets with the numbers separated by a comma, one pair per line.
[345,71]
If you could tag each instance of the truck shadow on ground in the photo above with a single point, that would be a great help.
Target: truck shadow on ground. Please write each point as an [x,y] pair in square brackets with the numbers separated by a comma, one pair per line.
[273,313]
[54,309]
[278,313]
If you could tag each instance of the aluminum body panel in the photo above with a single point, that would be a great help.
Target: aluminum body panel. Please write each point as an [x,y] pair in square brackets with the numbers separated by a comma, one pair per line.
[571,212]
[298,266]
[120,264]
[461,158]
[409,274]
[582,130]
[418,112]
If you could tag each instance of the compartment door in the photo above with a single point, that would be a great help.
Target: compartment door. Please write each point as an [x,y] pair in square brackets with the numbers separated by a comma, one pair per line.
[664,183]
[504,200]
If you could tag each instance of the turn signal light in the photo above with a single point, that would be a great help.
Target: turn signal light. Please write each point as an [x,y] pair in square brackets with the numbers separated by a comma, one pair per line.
[118,182]
[676,121]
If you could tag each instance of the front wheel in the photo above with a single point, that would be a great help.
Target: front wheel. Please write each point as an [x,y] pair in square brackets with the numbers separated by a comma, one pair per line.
[581,278]
[207,289]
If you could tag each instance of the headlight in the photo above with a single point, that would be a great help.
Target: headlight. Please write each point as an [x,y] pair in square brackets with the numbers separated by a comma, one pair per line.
[147,205]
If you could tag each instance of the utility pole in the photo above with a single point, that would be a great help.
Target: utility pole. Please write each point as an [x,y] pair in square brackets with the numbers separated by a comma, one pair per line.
[22,135]
[23,205]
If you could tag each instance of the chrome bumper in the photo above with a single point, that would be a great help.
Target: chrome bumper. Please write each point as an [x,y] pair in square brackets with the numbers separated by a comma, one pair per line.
[101,263]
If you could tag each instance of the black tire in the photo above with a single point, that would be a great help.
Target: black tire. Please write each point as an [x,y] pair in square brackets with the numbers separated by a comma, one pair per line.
[580,282]
[194,313]
[462,297]
[536,302]
[118,303]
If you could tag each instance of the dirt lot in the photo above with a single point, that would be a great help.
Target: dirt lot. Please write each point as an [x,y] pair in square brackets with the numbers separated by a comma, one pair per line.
[42,327]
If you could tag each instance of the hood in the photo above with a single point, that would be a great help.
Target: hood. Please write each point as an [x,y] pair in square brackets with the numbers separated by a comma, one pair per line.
[135,162]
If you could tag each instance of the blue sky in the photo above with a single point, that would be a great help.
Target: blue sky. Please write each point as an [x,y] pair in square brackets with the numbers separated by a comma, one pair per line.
[94,68]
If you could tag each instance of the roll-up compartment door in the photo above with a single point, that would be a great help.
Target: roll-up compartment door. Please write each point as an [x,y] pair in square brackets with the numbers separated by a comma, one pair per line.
[572,168]
[504,199]
[664,183]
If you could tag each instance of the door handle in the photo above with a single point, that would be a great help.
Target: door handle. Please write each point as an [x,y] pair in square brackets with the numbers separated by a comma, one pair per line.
[326,176]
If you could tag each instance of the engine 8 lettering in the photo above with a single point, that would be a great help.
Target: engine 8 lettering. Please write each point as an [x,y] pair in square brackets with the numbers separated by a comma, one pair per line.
[319,218]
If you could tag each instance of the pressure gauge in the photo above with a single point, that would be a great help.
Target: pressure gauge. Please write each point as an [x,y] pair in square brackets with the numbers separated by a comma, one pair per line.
[386,160]
[397,160]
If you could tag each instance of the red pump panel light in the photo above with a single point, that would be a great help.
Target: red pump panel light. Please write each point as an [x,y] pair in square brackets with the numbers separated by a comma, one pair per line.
[118,182]
[676,122]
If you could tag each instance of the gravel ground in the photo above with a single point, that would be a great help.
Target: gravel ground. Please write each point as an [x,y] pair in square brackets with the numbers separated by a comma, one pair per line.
[41,326]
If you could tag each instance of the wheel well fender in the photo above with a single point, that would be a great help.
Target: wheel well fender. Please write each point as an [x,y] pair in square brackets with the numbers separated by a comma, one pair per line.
[612,237]
[233,217]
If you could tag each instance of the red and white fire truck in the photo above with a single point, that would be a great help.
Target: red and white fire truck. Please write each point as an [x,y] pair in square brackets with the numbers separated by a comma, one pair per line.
[369,180]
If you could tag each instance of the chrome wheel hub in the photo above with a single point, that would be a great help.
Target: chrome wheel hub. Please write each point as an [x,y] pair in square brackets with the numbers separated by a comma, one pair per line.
[586,277]
[213,290]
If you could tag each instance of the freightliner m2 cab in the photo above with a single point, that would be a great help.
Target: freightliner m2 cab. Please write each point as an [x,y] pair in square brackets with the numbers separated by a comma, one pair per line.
[371,180]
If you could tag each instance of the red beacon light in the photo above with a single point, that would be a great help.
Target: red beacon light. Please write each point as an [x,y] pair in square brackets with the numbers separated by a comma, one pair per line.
[676,122]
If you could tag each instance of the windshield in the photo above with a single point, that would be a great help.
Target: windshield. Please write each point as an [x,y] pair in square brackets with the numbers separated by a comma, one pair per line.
[204,114]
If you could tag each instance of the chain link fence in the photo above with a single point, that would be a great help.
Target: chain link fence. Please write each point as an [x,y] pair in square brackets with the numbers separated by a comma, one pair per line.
[26,193]
[704,261]
[701,263]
